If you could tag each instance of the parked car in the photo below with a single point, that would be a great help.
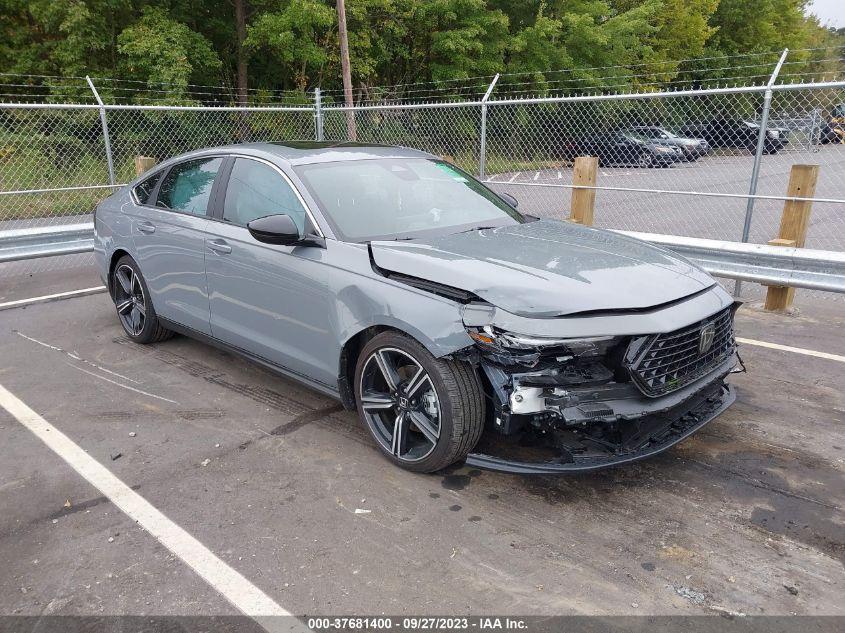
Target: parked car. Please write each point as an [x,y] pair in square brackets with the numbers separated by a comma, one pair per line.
[833,130]
[691,148]
[738,133]
[402,286]
[628,148]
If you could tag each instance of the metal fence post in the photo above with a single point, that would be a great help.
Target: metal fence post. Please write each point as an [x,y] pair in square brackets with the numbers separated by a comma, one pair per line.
[482,156]
[318,114]
[105,125]
[758,156]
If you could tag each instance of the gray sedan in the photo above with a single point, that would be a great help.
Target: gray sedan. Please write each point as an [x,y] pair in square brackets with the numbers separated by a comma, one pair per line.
[458,328]
[692,148]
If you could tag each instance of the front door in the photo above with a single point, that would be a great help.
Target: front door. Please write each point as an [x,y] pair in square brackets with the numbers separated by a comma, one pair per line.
[267,299]
[169,237]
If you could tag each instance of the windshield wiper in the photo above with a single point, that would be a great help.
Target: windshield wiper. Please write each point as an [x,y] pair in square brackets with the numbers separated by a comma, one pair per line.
[478,228]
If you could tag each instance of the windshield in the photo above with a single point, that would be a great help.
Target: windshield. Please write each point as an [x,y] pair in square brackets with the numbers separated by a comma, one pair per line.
[392,198]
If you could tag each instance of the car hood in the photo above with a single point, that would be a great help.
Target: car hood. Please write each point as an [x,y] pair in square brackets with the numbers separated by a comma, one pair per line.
[547,268]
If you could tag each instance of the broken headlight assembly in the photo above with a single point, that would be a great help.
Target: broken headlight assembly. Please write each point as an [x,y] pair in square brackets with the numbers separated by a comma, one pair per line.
[531,377]
[492,338]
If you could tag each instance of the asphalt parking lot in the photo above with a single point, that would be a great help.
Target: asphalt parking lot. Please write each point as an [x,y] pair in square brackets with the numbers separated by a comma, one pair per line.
[694,216]
[283,486]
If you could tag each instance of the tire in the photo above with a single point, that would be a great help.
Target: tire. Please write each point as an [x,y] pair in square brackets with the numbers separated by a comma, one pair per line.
[133,304]
[645,160]
[436,431]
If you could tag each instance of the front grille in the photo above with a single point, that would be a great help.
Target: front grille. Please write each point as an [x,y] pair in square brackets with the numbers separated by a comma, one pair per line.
[667,362]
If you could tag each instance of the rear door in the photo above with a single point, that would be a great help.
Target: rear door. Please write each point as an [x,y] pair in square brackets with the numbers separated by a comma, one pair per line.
[267,299]
[169,236]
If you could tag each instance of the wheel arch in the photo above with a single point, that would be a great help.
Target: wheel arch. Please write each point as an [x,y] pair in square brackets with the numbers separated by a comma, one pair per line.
[115,257]
[353,344]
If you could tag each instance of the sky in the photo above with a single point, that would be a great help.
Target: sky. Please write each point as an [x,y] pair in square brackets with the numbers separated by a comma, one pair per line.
[831,12]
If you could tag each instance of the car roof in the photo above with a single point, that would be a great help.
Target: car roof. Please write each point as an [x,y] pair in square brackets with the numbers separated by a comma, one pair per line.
[308,152]
[296,153]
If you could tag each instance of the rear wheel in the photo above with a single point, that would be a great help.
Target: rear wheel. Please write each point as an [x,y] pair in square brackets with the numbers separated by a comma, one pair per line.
[425,413]
[132,302]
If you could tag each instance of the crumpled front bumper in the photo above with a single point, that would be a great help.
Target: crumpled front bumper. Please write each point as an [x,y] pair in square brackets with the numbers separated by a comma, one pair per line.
[646,437]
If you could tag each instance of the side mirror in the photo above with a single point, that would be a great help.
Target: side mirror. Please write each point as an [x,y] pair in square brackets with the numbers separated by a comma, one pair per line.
[275,229]
[509,199]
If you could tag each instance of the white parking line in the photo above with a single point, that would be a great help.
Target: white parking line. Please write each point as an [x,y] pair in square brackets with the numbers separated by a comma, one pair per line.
[54,297]
[243,595]
[77,357]
[537,175]
[515,176]
[794,350]
[121,385]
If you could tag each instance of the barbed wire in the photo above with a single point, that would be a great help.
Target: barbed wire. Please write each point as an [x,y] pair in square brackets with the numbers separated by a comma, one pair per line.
[641,76]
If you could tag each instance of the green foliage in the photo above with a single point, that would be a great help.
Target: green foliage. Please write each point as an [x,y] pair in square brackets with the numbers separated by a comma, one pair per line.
[164,51]
[293,44]
[297,36]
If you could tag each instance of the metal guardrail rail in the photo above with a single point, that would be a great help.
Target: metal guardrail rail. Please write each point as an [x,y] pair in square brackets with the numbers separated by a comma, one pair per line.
[46,241]
[760,263]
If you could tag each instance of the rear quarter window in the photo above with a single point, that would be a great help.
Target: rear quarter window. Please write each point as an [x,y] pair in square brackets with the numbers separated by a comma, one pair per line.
[145,188]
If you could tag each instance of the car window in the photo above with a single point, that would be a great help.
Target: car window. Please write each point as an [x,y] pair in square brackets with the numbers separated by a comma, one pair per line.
[256,190]
[187,186]
[144,188]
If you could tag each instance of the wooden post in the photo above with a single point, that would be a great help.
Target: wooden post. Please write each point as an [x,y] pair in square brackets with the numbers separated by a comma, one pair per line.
[793,226]
[584,200]
[143,163]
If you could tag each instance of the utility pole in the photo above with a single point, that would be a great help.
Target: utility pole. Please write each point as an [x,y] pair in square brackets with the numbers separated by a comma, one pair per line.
[240,53]
[347,72]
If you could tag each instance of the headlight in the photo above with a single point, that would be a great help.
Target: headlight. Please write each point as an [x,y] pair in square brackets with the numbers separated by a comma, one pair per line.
[774,134]
[493,338]
[663,150]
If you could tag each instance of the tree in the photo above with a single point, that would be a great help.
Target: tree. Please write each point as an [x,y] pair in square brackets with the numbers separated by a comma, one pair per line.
[166,52]
[298,36]
[277,45]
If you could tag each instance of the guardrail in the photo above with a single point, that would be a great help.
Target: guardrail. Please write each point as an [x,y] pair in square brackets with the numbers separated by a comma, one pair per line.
[46,241]
[760,263]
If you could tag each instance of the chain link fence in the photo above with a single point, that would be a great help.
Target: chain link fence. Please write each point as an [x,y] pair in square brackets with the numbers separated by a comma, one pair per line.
[679,163]
[656,175]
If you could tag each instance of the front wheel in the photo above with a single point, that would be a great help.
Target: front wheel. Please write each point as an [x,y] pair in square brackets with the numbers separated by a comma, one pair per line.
[646,160]
[425,413]
[132,302]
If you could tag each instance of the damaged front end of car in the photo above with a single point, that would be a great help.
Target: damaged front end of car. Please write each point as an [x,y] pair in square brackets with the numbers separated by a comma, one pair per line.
[562,404]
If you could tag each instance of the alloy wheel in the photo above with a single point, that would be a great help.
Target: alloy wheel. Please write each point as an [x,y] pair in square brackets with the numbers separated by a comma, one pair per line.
[400,404]
[129,300]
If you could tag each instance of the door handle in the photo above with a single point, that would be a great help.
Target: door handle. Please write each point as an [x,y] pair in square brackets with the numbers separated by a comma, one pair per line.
[219,246]
[146,227]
